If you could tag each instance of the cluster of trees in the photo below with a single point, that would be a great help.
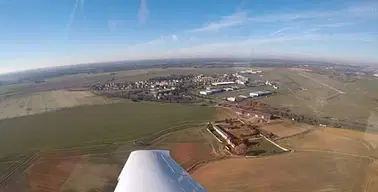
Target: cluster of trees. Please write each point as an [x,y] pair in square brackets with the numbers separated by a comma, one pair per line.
[241,149]
[287,113]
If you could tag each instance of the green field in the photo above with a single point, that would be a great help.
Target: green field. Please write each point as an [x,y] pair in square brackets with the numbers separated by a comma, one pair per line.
[90,125]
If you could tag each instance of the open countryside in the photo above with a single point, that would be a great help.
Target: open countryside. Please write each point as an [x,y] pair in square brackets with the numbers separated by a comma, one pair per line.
[254,128]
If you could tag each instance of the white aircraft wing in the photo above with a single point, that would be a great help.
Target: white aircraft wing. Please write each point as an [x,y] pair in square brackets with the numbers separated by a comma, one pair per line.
[155,171]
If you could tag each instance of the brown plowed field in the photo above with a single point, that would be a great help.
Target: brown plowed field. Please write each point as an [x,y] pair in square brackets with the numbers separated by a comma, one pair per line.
[372,181]
[300,171]
[89,176]
[189,146]
[51,174]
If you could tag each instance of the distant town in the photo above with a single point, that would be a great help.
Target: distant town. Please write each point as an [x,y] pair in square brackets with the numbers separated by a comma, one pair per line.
[189,88]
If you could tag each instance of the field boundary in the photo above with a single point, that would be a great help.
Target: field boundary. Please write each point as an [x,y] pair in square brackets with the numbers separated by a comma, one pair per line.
[154,138]
[8,175]
[272,142]
[107,142]
[335,152]
[199,164]
[297,134]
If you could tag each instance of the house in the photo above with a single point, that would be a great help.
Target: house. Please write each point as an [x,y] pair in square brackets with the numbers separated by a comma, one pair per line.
[225,135]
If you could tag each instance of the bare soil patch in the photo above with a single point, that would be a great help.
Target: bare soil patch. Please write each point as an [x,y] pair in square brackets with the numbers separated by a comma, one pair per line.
[189,146]
[183,152]
[372,181]
[89,176]
[50,174]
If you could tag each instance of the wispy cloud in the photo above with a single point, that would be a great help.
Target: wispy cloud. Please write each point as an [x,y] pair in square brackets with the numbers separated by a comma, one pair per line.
[318,27]
[369,9]
[174,37]
[157,41]
[72,14]
[280,31]
[334,25]
[227,21]
[82,4]
[292,31]
[291,16]
[245,46]
[143,11]
[114,24]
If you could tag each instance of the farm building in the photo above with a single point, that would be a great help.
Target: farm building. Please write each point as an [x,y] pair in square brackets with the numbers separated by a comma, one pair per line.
[225,135]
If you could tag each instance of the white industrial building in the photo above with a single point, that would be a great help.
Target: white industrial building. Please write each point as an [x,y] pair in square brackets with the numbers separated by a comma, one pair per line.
[241,82]
[259,93]
[232,99]
[251,72]
[223,83]
[210,91]
[236,99]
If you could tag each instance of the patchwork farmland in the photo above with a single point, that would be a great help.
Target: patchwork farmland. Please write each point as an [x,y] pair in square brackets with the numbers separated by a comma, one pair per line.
[61,140]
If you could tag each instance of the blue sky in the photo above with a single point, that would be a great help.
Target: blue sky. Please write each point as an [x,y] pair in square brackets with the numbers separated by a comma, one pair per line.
[44,33]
